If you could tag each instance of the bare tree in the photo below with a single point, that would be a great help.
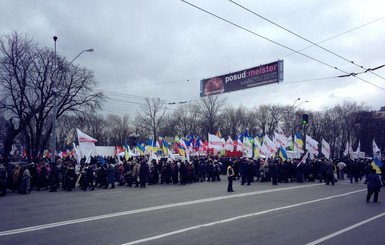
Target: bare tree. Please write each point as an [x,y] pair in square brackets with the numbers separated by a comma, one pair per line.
[152,115]
[348,115]
[186,118]
[268,118]
[118,128]
[235,120]
[210,109]
[330,130]
[27,75]
[170,127]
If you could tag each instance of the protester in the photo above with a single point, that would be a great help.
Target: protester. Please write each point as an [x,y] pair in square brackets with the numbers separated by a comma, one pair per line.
[230,176]
[25,187]
[329,170]
[16,178]
[143,173]
[110,176]
[374,186]
[3,180]
[69,177]
[341,170]
[54,178]
[273,169]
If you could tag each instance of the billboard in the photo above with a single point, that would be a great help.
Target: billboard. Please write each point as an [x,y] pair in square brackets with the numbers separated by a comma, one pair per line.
[249,78]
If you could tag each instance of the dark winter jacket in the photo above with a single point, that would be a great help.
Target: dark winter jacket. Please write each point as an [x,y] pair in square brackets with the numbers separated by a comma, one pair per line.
[374,182]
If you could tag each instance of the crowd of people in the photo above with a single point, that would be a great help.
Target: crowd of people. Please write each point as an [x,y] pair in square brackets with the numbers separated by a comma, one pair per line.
[67,175]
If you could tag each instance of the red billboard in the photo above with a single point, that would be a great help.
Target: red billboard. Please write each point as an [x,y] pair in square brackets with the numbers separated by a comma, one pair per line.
[249,78]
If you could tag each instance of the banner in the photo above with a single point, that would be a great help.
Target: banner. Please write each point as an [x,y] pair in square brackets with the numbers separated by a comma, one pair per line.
[249,78]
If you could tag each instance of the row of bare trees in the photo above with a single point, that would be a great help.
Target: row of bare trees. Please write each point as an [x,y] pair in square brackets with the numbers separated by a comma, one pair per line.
[348,122]
[30,77]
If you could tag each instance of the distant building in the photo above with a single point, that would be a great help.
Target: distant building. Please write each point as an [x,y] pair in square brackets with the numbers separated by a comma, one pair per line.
[381,113]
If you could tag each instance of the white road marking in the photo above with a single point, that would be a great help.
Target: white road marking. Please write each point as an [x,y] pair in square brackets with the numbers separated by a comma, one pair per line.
[148,209]
[236,218]
[106,193]
[322,239]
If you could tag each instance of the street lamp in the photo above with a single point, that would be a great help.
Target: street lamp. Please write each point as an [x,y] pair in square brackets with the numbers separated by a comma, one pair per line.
[291,108]
[301,103]
[86,50]
[53,150]
[289,111]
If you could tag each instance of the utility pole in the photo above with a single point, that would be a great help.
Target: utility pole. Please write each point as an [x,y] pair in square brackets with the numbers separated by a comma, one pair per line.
[53,148]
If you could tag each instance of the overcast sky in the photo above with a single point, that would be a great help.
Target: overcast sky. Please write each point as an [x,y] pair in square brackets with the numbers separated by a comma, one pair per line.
[163,48]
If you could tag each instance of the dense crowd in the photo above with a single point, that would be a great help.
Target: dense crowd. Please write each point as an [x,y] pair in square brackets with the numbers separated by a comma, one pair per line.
[108,172]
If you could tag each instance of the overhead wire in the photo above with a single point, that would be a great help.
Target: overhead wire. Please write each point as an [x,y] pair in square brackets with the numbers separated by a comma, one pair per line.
[161,83]
[325,40]
[137,104]
[307,40]
[277,43]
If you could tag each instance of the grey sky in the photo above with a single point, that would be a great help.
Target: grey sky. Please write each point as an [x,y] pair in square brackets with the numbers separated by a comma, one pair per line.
[163,48]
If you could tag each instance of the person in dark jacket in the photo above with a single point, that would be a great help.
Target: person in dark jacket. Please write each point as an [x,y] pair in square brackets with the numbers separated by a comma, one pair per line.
[243,170]
[70,178]
[374,186]
[3,180]
[42,177]
[110,176]
[329,170]
[143,173]
[54,178]
[273,169]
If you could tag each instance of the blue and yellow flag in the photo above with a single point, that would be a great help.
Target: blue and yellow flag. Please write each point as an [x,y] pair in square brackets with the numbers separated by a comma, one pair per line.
[377,165]
[165,145]
[126,152]
[298,140]
[282,153]
[181,150]
[141,149]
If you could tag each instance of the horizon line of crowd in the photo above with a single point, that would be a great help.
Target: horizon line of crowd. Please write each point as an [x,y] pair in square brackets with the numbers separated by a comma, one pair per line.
[66,175]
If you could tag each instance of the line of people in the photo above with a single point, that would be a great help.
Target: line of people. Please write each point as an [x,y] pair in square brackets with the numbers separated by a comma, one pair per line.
[65,174]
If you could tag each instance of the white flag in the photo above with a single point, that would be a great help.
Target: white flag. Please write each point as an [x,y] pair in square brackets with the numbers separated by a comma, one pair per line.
[325,149]
[348,149]
[312,145]
[247,147]
[216,142]
[280,140]
[261,148]
[358,148]
[375,148]
[303,160]
[229,146]
[86,145]
[271,147]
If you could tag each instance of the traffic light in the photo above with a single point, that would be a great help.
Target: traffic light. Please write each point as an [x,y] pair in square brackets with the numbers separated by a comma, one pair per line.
[305,119]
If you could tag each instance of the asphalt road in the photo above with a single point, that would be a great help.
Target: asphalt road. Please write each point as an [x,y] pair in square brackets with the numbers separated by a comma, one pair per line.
[199,213]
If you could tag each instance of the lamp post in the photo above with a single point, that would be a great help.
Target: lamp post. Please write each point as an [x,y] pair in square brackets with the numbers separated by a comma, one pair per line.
[55,92]
[289,114]
[53,150]
[293,107]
